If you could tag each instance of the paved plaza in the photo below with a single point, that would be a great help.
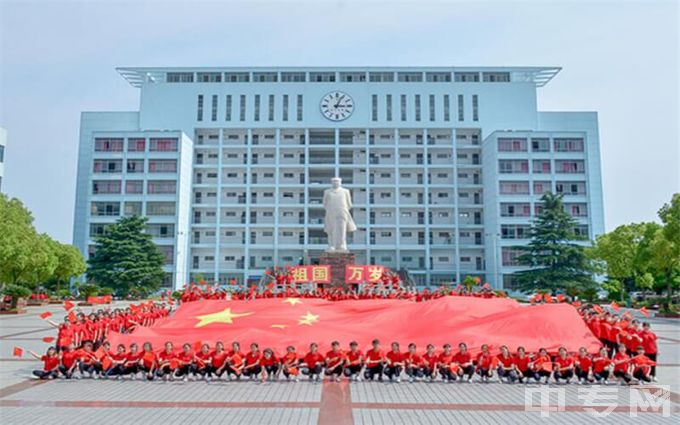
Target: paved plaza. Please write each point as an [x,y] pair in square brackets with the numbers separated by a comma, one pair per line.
[25,401]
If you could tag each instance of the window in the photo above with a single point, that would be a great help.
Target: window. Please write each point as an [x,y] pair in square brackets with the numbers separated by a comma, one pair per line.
[381,77]
[105,187]
[514,188]
[509,256]
[135,166]
[161,231]
[514,231]
[515,210]
[132,208]
[475,107]
[388,105]
[293,77]
[265,77]
[161,187]
[285,107]
[541,166]
[209,77]
[540,145]
[352,77]
[403,107]
[417,105]
[256,111]
[160,208]
[168,253]
[163,145]
[512,145]
[199,109]
[496,77]
[410,76]
[466,77]
[541,188]
[108,145]
[163,166]
[461,111]
[105,209]
[568,145]
[242,108]
[299,107]
[570,167]
[227,108]
[438,77]
[213,111]
[447,112]
[374,107]
[179,77]
[570,188]
[270,109]
[107,166]
[322,77]
[236,77]
[134,187]
[136,144]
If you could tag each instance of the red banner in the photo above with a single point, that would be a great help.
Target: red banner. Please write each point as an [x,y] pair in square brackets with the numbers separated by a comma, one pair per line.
[361,274]
[277,323]
[316,274]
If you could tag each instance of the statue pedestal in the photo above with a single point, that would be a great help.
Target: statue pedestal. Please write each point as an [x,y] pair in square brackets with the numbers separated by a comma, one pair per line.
[337,261]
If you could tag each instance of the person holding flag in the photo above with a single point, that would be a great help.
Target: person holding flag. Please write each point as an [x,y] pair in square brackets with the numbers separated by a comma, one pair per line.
[50,361]
[335,360]
[133,361]
[602,366]
[542,365]
[289,364]
[185,363]
[564,366]
[641,366]
[413,363]
[650,346]
[203,360]
[167,363]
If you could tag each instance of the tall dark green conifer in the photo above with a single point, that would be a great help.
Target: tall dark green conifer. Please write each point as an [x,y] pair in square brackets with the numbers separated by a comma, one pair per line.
[556,261]
[126,258]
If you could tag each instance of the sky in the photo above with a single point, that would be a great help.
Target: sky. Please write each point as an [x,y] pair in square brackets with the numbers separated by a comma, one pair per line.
[619,58]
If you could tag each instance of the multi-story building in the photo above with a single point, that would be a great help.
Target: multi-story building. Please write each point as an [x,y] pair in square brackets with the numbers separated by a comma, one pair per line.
[445,166]
[3,143]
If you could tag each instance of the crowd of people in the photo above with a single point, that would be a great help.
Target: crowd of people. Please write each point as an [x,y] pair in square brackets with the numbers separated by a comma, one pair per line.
[628,356]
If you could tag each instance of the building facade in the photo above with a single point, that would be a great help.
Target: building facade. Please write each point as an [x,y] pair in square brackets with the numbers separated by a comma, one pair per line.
[3,144]
[445,166]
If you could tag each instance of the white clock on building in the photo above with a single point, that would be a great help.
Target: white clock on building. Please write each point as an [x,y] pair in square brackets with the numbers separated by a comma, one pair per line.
[337,106]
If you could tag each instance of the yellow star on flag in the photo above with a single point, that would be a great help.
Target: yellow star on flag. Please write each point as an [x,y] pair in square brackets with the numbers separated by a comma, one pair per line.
[224,316]
[279,326]
[308,319]
[293,301]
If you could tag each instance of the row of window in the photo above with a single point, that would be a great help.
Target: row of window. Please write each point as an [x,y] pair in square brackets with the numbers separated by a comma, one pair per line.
[135,144]
[540,166]
[331,77]
[541,187]
[157,230]
[417,109]
[113,166]
[230,108]
[540,144]
[153,187]
[129,208]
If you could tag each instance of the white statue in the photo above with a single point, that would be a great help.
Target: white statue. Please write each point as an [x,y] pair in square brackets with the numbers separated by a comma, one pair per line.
[337,201]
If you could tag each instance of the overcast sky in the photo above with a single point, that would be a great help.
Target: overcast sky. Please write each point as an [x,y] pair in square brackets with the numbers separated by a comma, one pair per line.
[619,58]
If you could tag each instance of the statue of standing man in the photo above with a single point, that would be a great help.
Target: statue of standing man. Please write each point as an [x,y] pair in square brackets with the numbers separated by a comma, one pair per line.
[337,201]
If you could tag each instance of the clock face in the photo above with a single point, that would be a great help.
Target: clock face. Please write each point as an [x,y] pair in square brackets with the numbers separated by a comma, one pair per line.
[337,106]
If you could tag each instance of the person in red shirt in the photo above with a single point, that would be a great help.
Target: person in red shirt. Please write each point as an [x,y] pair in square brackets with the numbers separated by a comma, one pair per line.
[235,361]
[117,362]
[506,366]
[149,361]
[485,363]
[413,363]
[68,361]
[354,362]
[430,363]
[649,345]
[445,364]
[395,363]
[50,364]
[335,362]
[621,362]
[218,361]
[167,363]
[641,365]
[564,366]
[133,361]
[202,360]
[270,363]
[521,363]
[375,359]
[253,367]
[289,364]
[88,361]
[542,365]
[584,366]
[602,366]
[463,360]
[312,363]
[185,363]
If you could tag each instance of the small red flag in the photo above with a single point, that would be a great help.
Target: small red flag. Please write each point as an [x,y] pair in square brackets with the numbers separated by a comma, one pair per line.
[17,352]
[576,304]
[72,317]
[45,315]
[644,311]
[560,298]
[548,299]
[614,306]
[597,308]
[68,305]
[486,286]
[48,339]
[197,345]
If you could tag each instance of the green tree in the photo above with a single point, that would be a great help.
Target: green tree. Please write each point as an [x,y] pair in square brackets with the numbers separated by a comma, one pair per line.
[665,247]
[70,264]
[554,260]
[126,259]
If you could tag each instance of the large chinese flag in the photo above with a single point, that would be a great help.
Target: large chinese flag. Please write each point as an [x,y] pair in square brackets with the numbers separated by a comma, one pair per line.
[278,322]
